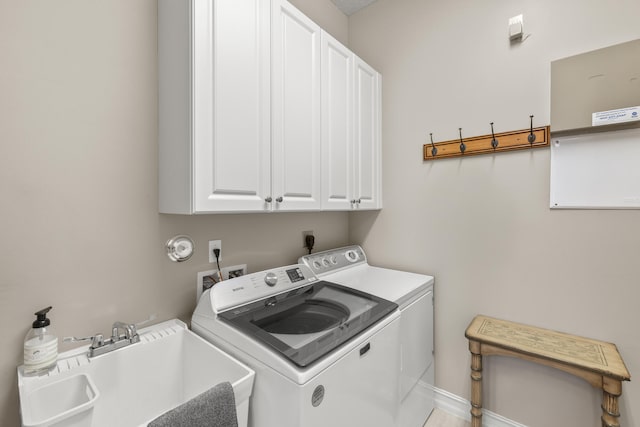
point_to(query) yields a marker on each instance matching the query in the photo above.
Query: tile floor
(440, 418)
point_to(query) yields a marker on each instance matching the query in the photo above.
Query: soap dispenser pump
(40, 346)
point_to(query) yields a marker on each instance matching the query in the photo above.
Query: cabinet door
(296, 109)
(367, 147)
(231, 102)
(337, 125)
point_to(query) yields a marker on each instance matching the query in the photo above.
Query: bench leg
(611, 390)
(476, 384)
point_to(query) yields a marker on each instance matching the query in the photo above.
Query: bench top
(596, 356)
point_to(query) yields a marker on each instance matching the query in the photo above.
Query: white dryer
(413, 293)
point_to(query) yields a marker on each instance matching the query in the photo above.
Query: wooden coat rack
(514, 140)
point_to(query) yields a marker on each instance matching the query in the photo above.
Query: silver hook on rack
(494, 141)
(434, 150)
(462, 146)
(531, 138)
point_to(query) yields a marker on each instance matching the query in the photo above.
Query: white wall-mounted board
(596, 170)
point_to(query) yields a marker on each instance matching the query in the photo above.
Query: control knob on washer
(271, 279)
(352, 256)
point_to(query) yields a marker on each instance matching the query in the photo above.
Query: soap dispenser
(40, 346)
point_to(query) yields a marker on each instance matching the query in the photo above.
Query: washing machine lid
(309, 322)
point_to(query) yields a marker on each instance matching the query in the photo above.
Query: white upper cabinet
(295, 109)
(337, 125)
(214, 106)
(248, 98)
(367, 137)
(350, 130)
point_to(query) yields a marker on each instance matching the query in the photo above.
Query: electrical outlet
(304, 237)
(215, 244)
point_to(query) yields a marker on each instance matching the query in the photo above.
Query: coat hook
(531, 138)
(494, 141)
(462, 146)
(434, 150)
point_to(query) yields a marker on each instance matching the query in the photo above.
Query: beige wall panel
(481, 225)
(78, 179)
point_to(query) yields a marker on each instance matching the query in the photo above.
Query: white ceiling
(351, 6)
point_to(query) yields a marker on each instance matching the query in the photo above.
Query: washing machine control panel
(255, 286)
(334, 259)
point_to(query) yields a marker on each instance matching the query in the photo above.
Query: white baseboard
(456, 405)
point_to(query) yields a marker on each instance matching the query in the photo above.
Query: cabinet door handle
(279, 199)
(268, 199)
(359, 200)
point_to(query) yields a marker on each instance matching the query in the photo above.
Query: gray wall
(78, 179)
(482, 224)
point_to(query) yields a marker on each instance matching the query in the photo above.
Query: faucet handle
(132, 331)
(76, 339)
(96, 341)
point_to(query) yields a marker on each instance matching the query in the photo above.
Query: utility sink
(133, 385)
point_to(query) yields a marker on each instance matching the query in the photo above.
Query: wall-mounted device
(516, 28)
(179, 248)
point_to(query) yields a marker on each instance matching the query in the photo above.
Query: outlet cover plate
(215, 244)
(227, 273)
(200, 280)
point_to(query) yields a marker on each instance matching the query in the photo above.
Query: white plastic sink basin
(133, 385)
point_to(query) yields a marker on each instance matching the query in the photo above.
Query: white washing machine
(413, 293)
(324, 354)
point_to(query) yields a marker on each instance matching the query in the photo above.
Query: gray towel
(215, 407)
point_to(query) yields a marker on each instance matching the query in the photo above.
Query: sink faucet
(101, 346)
(130, 332)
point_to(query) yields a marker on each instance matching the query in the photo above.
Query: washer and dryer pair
(328, 338)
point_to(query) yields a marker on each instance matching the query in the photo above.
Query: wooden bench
(595, 361)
